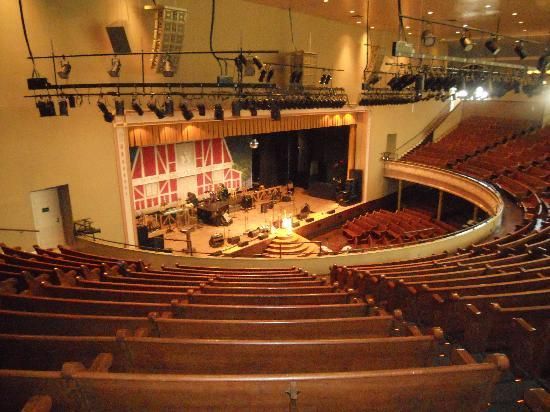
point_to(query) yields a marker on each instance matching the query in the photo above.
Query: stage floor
(242, 222)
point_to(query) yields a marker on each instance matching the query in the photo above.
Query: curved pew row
(466, 385)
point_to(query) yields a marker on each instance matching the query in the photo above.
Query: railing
(3, 229)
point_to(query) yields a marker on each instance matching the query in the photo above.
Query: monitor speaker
(243, 243)
(119, 41)
(234, 240)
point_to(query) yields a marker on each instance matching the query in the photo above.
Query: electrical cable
(34, 71)
(212, 20)
(291, 28)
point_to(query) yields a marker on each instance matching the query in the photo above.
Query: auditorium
(275, 205)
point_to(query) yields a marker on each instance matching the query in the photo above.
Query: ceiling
(531, 22)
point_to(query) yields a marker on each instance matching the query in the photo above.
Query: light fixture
(187, 114)
(119, 106)
(263, 73)
(519, 49)
(107, 115)
(430, 12)
(114, 71)
(201, 107)
(168, 106)
(514, 14)
(492, 45)
(236, 108)
(64, 69)
(488, 6)
(295, 76)
(240, 62)
(45, 107)
(137, 106)
(63, 106)
(428, 39)
(256, 60)
(542, 64)
(218, 112)
(275, 112)
(270, 74)
(254, 144)
(252, 108)
(466, 42)
(152, 105)
(168, 68)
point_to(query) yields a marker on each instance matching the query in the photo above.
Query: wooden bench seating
(466, 386)
(266, 284)
(147, 281)
(198, 311)
(215, 289)
(490, 329)
(140, 265)
(228, 271)
(530, 349)
(196, 297)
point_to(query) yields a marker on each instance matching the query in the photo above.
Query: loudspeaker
(226, 220)
(234, 240)
(143, 236)
(216, 240)
(310, 219)
(243, 243)
(119, 41)
(331, 212)
(295, 224)
(356, 189)
(263, 236)
(246, 202)
(157, 242)
(253, 233)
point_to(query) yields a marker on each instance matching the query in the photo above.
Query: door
(47, 217)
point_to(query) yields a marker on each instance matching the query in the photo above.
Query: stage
(244, 221)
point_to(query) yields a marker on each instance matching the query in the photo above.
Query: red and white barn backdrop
(164, 174)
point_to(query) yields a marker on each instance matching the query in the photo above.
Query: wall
(37, 153)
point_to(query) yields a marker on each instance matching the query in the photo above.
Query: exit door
(48, 218)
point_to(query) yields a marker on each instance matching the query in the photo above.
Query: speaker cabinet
(243, 243)
(234, 240)
(119, 41)
(216, 240)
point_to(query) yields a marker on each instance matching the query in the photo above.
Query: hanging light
(119, 106)
(152, 105)
(252, 108)
(254, 144)
(492, 45)
(114, 71)
(201, 107)
(542, 63)
(519, 49)
(236, 108)
(218, 112)
(256, 60)
(168, 69)
(137, 106)
(168, 106)
(466, 42)
(107, 115)
(275, 112)
(187, 114)
(428, 38)
(64, 68)
(63, 106)
(270, 74)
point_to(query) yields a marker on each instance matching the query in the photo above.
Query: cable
(34, 71)
(212, 19)
(291, 28)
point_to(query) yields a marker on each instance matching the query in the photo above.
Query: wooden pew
(301, 278)
(537, 399)
(144, 281)
(194, 311)
(291, 284)
(241, 270)
(196, 297)
(490, 329)
(530, 349)
(208, 289)
(39, 323)
(140, 265)
(466, 386)
(80, 306)
(80, 282)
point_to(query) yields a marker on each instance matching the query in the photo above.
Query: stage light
(428, 39)
(275, 112)
(542, 64)
(492, 45)
(519, 49)
(240, 62)
(263, 73)
(168, 106)
(295, 76)
(168, 69)
(63, 107)
(187, 114)
(64, 69)
(201, 107)
(236, 108)
(137, 106)
(218, 112)
(114, 71)
(72, 101)
(152, 105)
(270, 74)
(466, 42)
(119, 106)
(254, 144)
(107, 115)
(322, 79)
(257, 62)
(419, 82)
(328, 78)
(252, 108)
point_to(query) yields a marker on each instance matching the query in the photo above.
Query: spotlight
(168, 69)
(240, 62)
(543, 63)
(492, 45)
(152, 105)
(257, 62)
(136, 106)
(466, 42)
(201, 107)
(270, 74)
(65, 69)
(168, 106)
(119, 106)
(187, 114)
(263, 73)
(254, 143)
(328, 78)
(218, 112)
(236, 108)
(419, 82)
(63, 107)
(275, 112)
(252, 108)
(428, 39)
(72, 101)
(323, 79)
(115, 67)
(295, 76)
(107, 115)
(519, 49)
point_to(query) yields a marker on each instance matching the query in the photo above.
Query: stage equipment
(428, 39)
(243, 243)
(310, 219)
(152, 105)
(45, 107)
(270, 74)
(114, 71)
(107, 115)
(137, 106)
(64, 69)
(63, 107)
(168, 38)
(247, 202)
(216, 240)
(253, 233)
(234, 240)
(218, 112)
(214, 213)
(254, 144)
(168, 106)
(492, 45)
(275, 112)
(201, 107)
(187, 114)
(119, 106)
(236, 108)
(331, 212)
(257, 62)
(263, 236)
(264, 207)
(118, 39)
(168, 68)
(519, 49)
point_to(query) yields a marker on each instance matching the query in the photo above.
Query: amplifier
(216, 240)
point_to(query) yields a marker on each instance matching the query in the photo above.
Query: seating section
(82, 333)
(383, 228)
